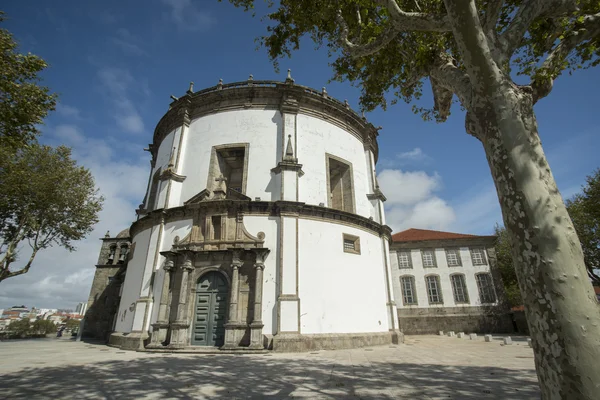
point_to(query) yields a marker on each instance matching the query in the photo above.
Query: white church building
(262, 228)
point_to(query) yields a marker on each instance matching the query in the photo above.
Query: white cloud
(129, 43)
(118, 83)
(62, 279)
(187, 16)
(414, 156)
(68, 111)
(411, 202)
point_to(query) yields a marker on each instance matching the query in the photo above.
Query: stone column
(160, 328)
(234, 329)
(180, 327)
(256, 335)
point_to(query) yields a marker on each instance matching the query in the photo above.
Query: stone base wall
(419, 321)
(129, 341)
(297, 342)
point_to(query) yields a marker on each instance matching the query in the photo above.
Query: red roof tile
(413, 235)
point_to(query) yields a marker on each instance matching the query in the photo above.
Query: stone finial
(363, 115)
(251, 78)
(107, 234)
(324, 92)
(289, 80)
(174, 98)
(289, 151)
(191, 88)
(220, 84)
(346, 104)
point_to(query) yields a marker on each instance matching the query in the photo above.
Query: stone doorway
(210, 310)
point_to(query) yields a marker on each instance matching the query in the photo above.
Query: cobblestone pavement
(425, 367)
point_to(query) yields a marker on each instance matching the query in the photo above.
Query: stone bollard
(441, 333)
(473, 336)
(451, 334)
(460, 335)
(507, 340)
(488, 338)
(529, 343)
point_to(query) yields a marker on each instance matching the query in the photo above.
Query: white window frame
(432, 251)
(412, 289)
(480, 258)
(456, 254)
(486, 289)
(408, 259)
(431, 297)
(457, 291)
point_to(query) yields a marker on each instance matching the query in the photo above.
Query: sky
(114, 65)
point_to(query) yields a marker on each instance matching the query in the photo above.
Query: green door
(211, 309)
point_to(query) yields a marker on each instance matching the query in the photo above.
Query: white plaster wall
(340, 292)
(133, 277)
(259, 128)
(171, 229)
(444, 272)
(162, 160)
(317, 137)
(268, 225)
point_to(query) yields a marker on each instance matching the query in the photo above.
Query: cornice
(285, 97)
(268, 208)
(487, 241)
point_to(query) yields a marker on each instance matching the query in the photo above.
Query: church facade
(262, 228)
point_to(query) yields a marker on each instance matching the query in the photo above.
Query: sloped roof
(414, 235)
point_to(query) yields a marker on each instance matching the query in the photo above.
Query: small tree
(23, 102)
(43, 327)
(20, 328)
(45, 199)
(72, 323)
(471, 50)
(584, 209)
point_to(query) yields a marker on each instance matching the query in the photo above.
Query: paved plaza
(425, 367)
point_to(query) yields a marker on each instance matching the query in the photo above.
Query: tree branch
(415, 21)
(529, 11)
(362, 50)
(23, 270)
(552, 65)
(492, 13)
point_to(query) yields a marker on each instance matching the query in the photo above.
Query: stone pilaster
(161, 327)
(180, 327)
(234, 329)
(256, 335)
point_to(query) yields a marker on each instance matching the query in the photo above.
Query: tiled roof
(414, 235)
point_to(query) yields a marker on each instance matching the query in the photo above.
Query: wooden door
(211, 310)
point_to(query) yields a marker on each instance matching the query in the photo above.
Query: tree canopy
(388, 47)
(24, 103)
(45, 199)
(584, 209)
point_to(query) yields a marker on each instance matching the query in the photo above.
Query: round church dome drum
(262, 226)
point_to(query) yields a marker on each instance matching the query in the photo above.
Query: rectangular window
(340, 189)
(453, 257)
(153, 191)
(351, 244)
(428, 258)
(216, 225)
(478, 256)
(228, 169)
(459, 288)
(486, 288)
(404, 259)
(408, 290)
(434, 289)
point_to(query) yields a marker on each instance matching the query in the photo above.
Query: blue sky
(114, 65)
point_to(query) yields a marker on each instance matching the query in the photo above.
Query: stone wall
(103, 302)
(415, 321)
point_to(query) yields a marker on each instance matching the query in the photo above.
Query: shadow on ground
(265, 377)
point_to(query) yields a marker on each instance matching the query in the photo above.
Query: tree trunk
(562, 311)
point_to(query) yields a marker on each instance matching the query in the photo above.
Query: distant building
(445, 281)
(16, 312)
(81, 308)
